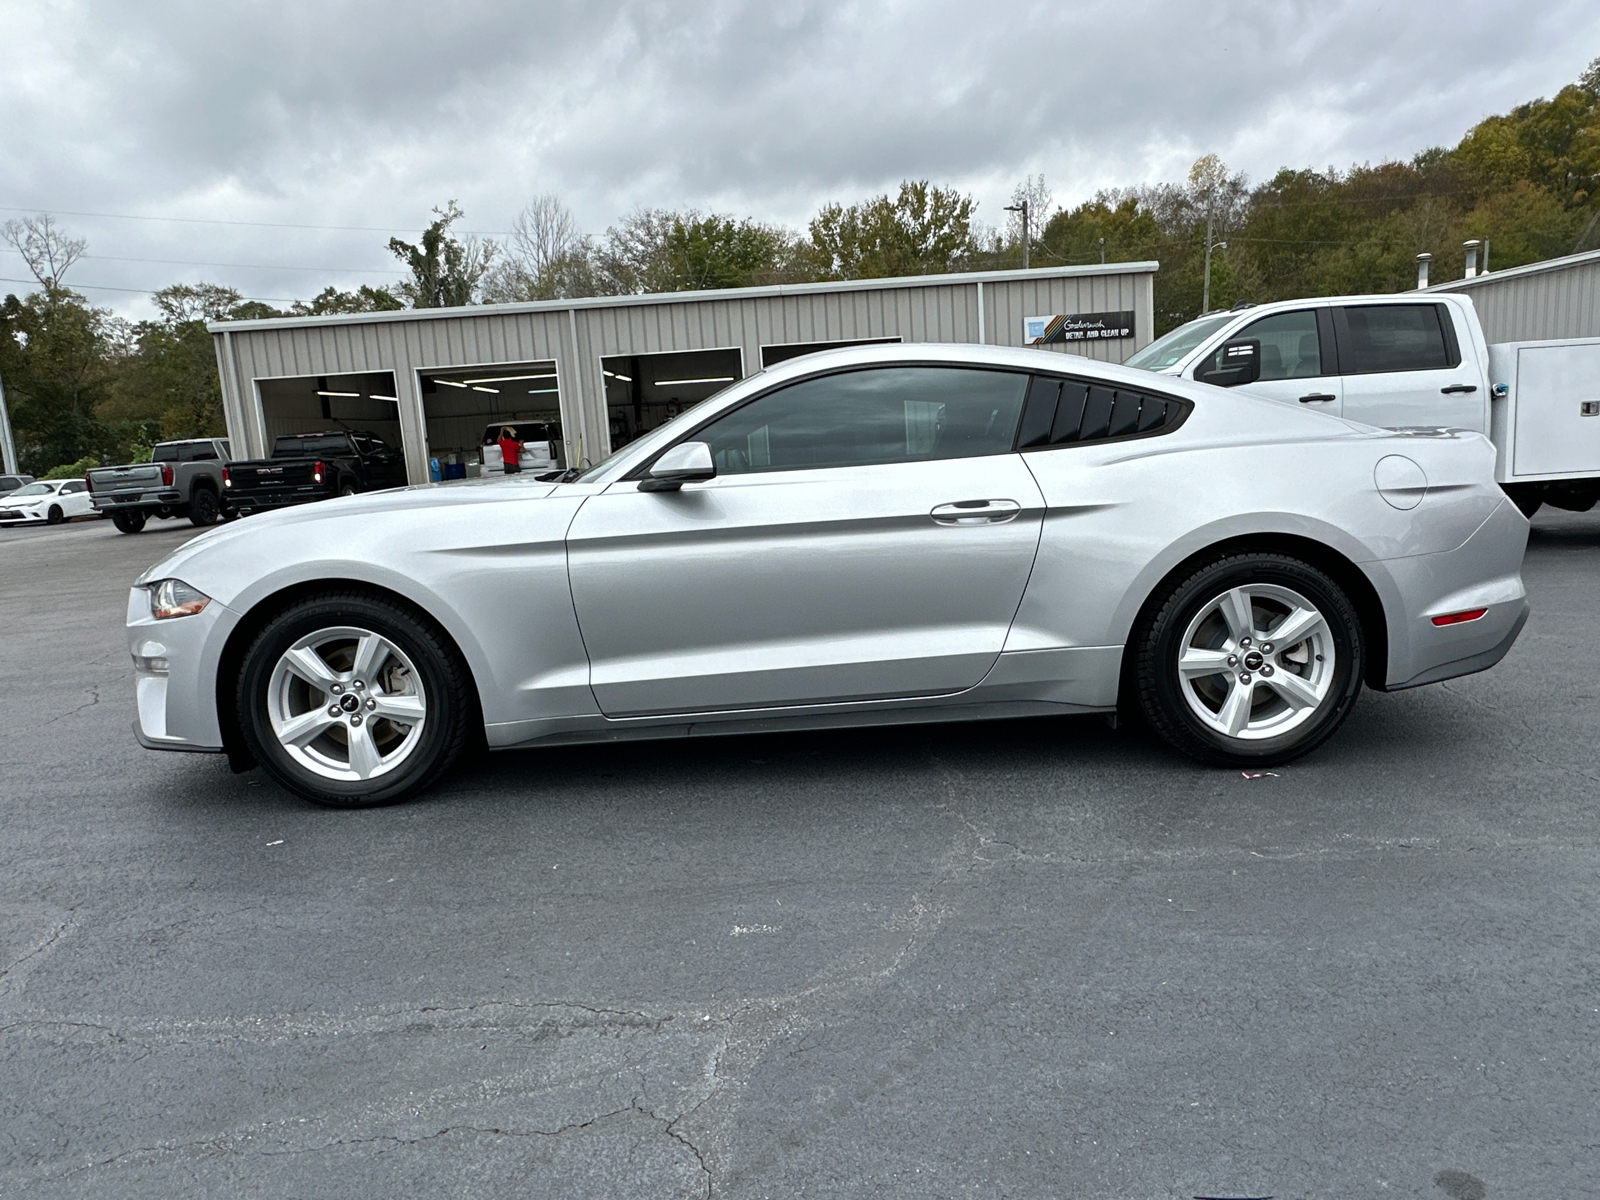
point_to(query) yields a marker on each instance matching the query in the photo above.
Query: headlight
(174, 598)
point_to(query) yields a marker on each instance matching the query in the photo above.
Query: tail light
(316, 472)
(227, 480)
(166, 474)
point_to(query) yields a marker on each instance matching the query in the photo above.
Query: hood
(416, 498)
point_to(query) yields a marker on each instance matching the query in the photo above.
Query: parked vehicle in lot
(541, 446)
(1413, 360)
(10, 483)
(874, 535)
(182, 479)
(312, 466)
(50, 501)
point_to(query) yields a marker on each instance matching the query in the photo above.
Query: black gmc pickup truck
(312, 466)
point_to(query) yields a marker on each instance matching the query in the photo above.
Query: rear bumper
(136, 501)
(1483, 572)
(249, 502)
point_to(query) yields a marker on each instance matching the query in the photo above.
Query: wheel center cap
(1252, 662)
(350, 701)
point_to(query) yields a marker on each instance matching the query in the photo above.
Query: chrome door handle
(976, 512)
(1458, 389)
(1317, 398)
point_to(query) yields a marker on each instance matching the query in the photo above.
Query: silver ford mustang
(865, 536)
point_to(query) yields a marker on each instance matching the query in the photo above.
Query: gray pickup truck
(182, 479)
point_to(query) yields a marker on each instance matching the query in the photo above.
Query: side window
(1394, 337)
(72, 488)
(1290, 347)
(199, 452)
(883, 415)
(1064, 412)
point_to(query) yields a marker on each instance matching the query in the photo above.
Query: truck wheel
(203, 508)
(1252, 660)
(352, 700)
(349, 489)
(128, 522)
(55, 516)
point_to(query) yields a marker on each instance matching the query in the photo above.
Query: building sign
(1076, 327)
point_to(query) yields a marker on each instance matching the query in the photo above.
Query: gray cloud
(349, 114)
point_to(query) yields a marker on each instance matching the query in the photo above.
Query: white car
(50, 500)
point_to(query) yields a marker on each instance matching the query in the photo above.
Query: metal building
(1557, 298)
(606, 369)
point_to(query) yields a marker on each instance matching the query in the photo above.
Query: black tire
(128, 522)
(203, 508)
(1158, 639)
(444, 679)
(55, 516)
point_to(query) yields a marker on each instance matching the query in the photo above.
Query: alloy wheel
(346, 704)
(1256, 662)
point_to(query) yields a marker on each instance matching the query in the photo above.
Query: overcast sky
(344, 114)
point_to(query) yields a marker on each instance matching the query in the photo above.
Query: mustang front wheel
(352, 700)
(1253, 660)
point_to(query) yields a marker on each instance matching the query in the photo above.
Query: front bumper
(177, 701)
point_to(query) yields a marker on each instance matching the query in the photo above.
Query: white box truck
(1407, 361)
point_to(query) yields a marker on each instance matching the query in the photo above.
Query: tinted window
(167, 453)
(1392, 337)
(199, 452)
(1063, 412)
(296, 447)
(894, 414)
(1290, 347)
(73, 488)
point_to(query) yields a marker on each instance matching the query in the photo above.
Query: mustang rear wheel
(352, 700)
(1253, 660)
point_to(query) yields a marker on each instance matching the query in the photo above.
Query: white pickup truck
(1412, 360)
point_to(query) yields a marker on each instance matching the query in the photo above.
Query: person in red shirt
(510, 449)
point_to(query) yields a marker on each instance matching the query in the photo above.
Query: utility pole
(8, 449)
(1205, 291)
(1102, 252)
(1023, 209)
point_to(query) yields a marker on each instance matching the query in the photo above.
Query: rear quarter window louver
(1066, 412)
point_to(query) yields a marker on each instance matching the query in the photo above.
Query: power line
(257, 224)
(186, 262)
(100, 287)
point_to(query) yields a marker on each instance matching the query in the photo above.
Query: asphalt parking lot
(1027, 959)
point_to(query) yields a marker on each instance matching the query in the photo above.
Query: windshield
(34, 489)
(1171, 348)
(590, 474)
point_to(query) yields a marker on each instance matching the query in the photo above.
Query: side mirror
(1235, 363)
(684, 463)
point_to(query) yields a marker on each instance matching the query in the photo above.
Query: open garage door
(771, 356)
(363, 403)
(647, 390)
(464, 409)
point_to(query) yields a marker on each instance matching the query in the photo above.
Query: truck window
(166, 453)
(1393, 337)
(199, 452)
(1290, 347)
(305, 447)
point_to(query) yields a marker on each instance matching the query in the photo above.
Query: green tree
(59, 358)
(332, 300)
(924, 230)
(445, 271)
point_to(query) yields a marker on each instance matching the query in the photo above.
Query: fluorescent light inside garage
(450, 383)
(352, 395)
(476, 388)
(396, 399)
(508, 378)
(709, 379)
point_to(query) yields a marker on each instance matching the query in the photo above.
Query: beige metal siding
(576, 337)
(1557, 302)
